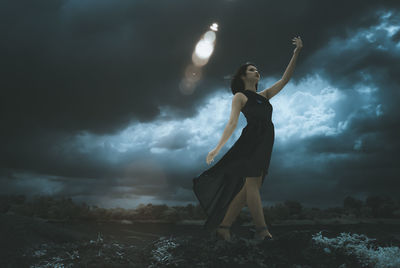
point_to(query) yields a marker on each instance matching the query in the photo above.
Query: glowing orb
(214, 27)
(210, 36)
(204, 49)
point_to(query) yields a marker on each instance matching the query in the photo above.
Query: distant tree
(311, 213)
(294, 207)
(278, 212)
(352, 203)
(381, 206)
(117, 213)
(144, 212)
(158, 211)
(374, 202)
(333, 212)
(366, 212)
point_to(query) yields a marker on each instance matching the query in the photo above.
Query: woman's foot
(262, 233)
(223, 232)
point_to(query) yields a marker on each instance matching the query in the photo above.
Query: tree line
(48, 207)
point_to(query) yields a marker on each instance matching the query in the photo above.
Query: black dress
(250, 156)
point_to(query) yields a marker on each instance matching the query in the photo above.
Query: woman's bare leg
(235, 207)
(233, 211)
(254, 202)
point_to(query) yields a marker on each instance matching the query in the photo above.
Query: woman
(235, 180)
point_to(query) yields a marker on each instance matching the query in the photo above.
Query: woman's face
(252, 73)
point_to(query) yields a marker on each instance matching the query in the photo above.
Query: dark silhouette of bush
(159, 211)
(294, 207)
(381, 206)
(143, 212)
(366, 212)
(312, 213)
(277, 212)
(6, 201)
(352, 203)
(352, 206)
(65, 209)
(374, 202)
(335, 212)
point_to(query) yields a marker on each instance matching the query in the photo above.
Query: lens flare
(210, 36)
(204, 49)
(214, 27)
(200, 56)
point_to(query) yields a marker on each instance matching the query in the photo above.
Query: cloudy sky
(92, 105)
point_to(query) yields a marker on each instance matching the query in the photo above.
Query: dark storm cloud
(71, 66)
(96, 65)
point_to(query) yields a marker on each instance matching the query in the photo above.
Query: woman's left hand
(299, 44)
(211, 155)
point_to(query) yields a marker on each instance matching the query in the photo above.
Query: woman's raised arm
(275, 88)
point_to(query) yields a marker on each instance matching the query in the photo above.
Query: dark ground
(30, 242)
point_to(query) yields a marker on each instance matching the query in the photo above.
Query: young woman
(235, 180)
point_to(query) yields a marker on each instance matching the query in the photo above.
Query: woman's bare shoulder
(242, 97)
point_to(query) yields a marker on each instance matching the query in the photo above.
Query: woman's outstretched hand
(299, 44)
(211, 155)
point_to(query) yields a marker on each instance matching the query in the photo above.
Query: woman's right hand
(211, 155)
(299, 44)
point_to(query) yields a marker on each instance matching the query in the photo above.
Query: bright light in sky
(204, 49)
(338, 112)
(214, 27)
(200, 56)
(210, 36)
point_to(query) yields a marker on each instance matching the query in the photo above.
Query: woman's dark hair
(237, 83)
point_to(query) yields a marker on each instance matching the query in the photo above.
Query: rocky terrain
(35, 242)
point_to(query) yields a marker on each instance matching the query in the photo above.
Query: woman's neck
(250, 86)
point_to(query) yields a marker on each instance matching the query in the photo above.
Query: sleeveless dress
(249, 156)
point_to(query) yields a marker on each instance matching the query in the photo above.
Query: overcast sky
(92, 108)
